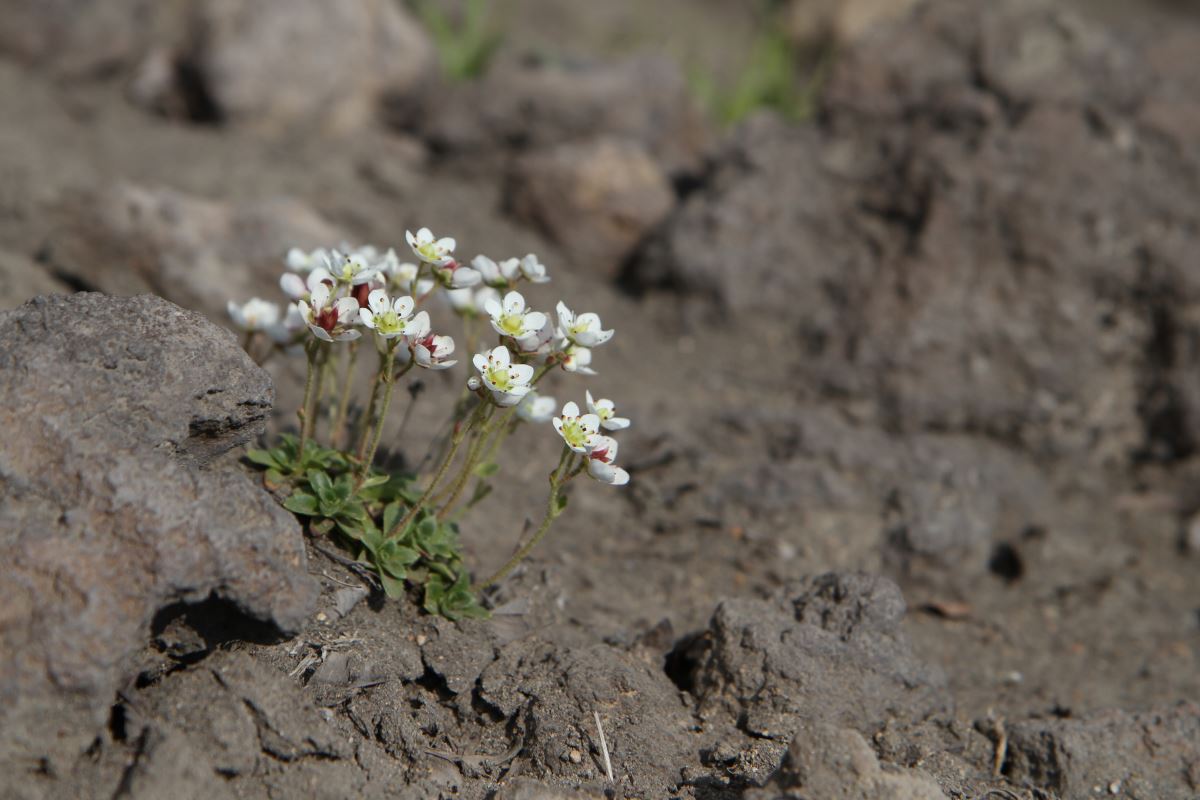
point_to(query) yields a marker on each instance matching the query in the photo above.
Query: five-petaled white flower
(606, 411)
(388, 318)
(579, 432)
(330, 318)
(432, 351)
(536, 407)
(577, 359)
(254, 314)
(601, 464)
(498, 275)
(298, 260)
(507, 382)
(584, 329)
(438, 252)
(534, 270)
(352, 269)
(298, 288)
(509, 317)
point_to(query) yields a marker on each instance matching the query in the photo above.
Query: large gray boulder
(115, 503)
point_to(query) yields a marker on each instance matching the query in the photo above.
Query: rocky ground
(915, 382)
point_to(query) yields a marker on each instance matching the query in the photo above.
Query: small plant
(465, 47)
(404, 528)
(770, 79)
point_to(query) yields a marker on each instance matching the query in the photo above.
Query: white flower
(537, 344)
(284, 331)
(509, 318)
(579, 432)
(298, 288)
(605, 410)
(507, 382)
(600, 462)
(404, 278)
(438, 252)
(330, 319)
(535, 407)
(583, 330)
(533, 270)
(351, 269)
(498, 275)
(470, 302)
(577, 359)
(432, 351)
(254, 314)
(388, 318)
(299, 261)
(455, 276)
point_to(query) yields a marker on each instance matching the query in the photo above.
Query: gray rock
(114, 412)
(200, 253)
(643, 99)
(1152, 754)
(528, 789)
(598, 200)
(270, 64)
(828, 648)
(837, 764)
(274, 63)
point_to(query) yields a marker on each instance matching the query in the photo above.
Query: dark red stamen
(326, 318)
(360, 293)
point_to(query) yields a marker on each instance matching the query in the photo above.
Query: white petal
(418, 326)
(403, 306)
(501, 355)
(570, 409)
(535, 321)
(514, 303)
(616, 423)
(565, 317)
(493, 308)
(347, 308)
(620, 477)
(480, 361)
(521, 373)
(590, 422)
(447, 244)
(293, 285)
(320, 333)
(378, 301)
(366, 317)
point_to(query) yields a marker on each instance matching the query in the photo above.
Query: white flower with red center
(536, 407)
(298, 260)
(387, 317)
(498, 275)
(508, 382)
(579, 431)
(510, 318)
(297, 287)
(533, 270)
(254, 315)
(432, 351)
(577, 359)
(601, 464)
(329, 318)
(606, 411)
(584, 329)
(429, 249)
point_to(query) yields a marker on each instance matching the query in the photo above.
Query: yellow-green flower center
(574, 433)
(389, 322)
(512, 324)
(499, 378)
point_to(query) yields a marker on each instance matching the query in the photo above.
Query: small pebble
(1114, 787)
(421, 639)
(575, 756)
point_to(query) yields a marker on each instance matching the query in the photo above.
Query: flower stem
(368, 418)
(343, 406)
(388, 378)
(459, 435)
(464, 474)
(304, 414)
(553, 509)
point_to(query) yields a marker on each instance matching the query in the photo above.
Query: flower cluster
(341, 298)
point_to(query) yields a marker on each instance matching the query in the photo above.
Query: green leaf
(392, 513)
(274, 479)
(487, 470)
(350, 528)
(435, 590)
(560, 503)
(321, 483)
(301, 503)
(392, 587)
(375, 480)
(264, 458)
(321, 526)
(482, 490)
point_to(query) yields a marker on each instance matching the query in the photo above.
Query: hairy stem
(553, 509)
(389, 379)
(343, 406)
